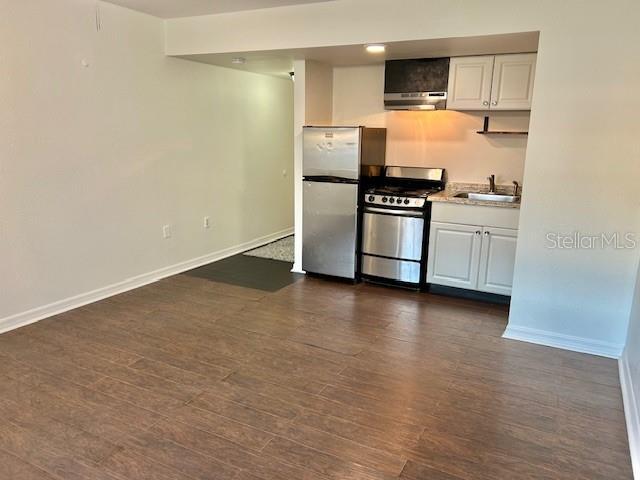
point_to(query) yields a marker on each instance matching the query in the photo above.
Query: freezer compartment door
(329, 228)
(331, 152)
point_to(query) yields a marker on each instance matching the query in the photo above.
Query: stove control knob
(371, 198)
(406, 201)
(384, 199)
(392, 200)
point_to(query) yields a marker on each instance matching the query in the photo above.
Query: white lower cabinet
(474, 257)
(497, 259)
(454, 255)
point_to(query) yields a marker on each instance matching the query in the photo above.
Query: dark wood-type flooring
(193, 379)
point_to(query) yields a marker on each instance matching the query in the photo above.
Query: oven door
(393, 233)
(392, 244)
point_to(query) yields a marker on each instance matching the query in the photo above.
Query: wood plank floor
(199, 380)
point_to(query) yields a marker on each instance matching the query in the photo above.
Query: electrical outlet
(206, 223)
(166, 231)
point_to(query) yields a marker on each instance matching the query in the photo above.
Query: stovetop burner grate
(403, 191)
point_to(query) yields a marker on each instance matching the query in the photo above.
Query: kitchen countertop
(448, 195)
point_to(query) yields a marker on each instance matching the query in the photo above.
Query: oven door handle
(395, 213)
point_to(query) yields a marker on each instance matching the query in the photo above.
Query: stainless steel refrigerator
(335, 161)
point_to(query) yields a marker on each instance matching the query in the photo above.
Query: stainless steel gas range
(395, 226)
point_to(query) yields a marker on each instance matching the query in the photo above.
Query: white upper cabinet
(470, 83)
(512, 86)
(491, 82)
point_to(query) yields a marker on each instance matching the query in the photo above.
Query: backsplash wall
(442, 138)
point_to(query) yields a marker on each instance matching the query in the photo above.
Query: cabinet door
(470, 83)
(497, 259)
(513, 77)
(454, 255)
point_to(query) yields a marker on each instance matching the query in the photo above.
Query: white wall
(444, 139)
(581, 169)
(93, 161)
(630, 380)
(313, 95)
(318, 93)
(299, 120)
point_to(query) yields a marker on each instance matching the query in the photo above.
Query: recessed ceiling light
(376, 48)
(239, 61)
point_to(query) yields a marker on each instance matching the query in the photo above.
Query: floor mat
(250, 272)
(281, 250)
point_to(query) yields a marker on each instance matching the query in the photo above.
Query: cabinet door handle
(495, 102)
(478, 232)
(485, 103)
(487, 233)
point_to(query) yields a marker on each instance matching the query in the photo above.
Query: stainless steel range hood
(419, 84)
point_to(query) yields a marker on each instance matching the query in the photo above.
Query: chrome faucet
(492, 183)
(515, 188)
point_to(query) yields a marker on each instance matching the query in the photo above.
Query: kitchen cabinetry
(475, 256)
(512, 84)
(497, 259)
(454, 255)
(469, 85)
(491, 82)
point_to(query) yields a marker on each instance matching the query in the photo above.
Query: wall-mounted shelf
(485, 130)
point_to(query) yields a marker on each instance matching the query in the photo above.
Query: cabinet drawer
(400, 270)
(500, 217)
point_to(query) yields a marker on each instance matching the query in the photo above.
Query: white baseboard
(297, 268)
(631, 414)
(39, 313)
(566, 342)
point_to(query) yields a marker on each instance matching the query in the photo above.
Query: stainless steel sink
(489, 197)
